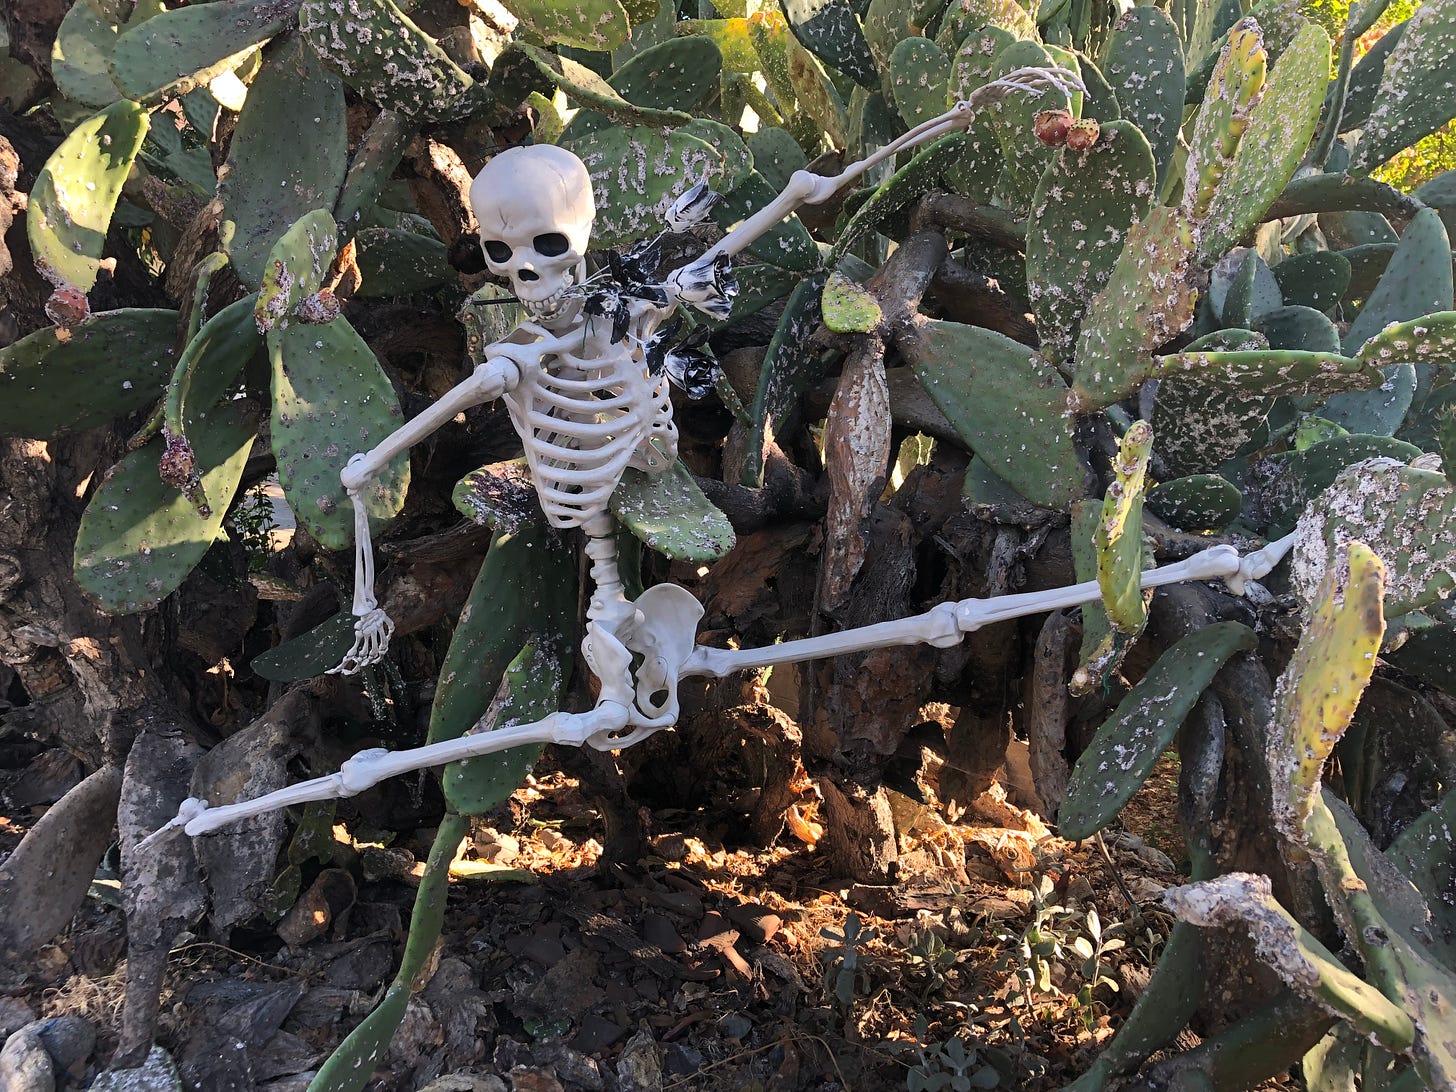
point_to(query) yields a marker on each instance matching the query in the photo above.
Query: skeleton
(587, 406)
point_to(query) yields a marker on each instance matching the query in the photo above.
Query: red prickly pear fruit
(67, 306)
(1051, 126)
(1082, 135)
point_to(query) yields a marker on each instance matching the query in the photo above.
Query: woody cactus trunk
(1092, 332)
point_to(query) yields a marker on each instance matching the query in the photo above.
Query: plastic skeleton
(587, 404)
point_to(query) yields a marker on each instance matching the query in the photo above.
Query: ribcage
(583, 422)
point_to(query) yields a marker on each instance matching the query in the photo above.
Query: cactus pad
(586, 24)
(916, 83)
(1197, 503)
(382, 54)
(288, 155)
(331, 400)
(1316, 280)
(309, 654)
(297, 266)
(172, 53)
(109, 364)
(671, 515)
(1118, 539)
(1122, 754)
(637, 173)
(76, 191)
(1407, 516)
(139, 536)
(1008, 405)
(1080, 216)
(81, 57)
(397, 263)
(1414, 99)
(1144, 62)
(1147, 300)
(830, 30)
(1271, 149)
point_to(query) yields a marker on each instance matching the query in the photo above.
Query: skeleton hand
(372, 632)
(1024, 81)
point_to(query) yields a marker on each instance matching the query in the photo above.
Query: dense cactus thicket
(1091, 333)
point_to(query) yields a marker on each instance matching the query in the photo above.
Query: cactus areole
(585, 380)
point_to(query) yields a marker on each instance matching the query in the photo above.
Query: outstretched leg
(372, 626)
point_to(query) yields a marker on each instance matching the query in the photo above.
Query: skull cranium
(535, 210)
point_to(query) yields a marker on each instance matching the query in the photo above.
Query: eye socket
(551, 244)
(496, 250)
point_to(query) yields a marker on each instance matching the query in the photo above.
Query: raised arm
(693, 282)
(372, 626)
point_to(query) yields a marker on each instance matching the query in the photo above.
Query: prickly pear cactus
(75, 194)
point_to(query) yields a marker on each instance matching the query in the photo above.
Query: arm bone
(813, 189)
(372, 626)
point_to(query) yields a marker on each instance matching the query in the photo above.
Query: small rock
(571, 1065)
(596, 1034)
(1145, 889)
(466, 1082)
(659, 932)
(525, 1079)
(1127, 840)
(384, 862)
(1156, 859)
(671, 847)
(69, 1040)
(682, 1059)
(331, 895)
(735, 1026)
(24, 1064)
(14, 1015)
(156, 1074)
(497, 848)
(639, 1066)
(1079, 889)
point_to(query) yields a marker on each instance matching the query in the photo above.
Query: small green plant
(952, 1065)
(252, 519)
(1093, 948)
(844, 971)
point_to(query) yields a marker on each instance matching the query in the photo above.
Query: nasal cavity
(527, 275)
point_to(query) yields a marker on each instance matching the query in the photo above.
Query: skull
(535, 209)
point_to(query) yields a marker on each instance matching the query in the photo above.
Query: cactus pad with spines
(1301, 328)
(140, 537)
(637, 173)
(1414, 99)
(1319, 690)
(1144, 62)
(670, 514)
(288, 156)
(963, 17)
(1081, 213)
(107, 365)
(211, 363)
(524, 594)
(387, 58)
(789, 366)
(586, 24)
(172, 53)
(1299, 477)
(1279, 130)
(81, 57)
(330, 400)
(1236, 85)
(309, 654)
(1407, 516)
(1316, 280)
(1008, 405)
(830, 30)
(916, 79)
(1430, 339)
(297, 266)
(776, 154)
(1119, 536)
(1197, 503)
(1122, 754)
(1023, 157)
(75, 194)
(1147, 300)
